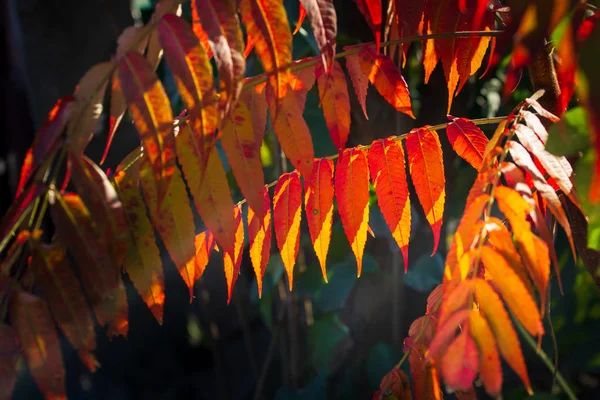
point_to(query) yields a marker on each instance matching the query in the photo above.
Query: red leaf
(410, 13)
(490, 369)
(256, 102)
(388, 174)
(31, 320)
(372, 11)
(323, 21)
(318, 200)
(287, 210)
(200, 32)
(359, 78)
(427, 173)
(232, 258)
(467, 140)
(259, 233)
(267, 25)
(301, 16)
(386, 78)
(352, 193)
(150, 110)
(333, 92)
(461, 362)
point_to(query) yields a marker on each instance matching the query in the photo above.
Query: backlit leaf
(352, 193)
(333, 92)
(360, 80)
(386, 78)
(301, 16)
(243, 153)
(287, 209)
(446, 333)
(493, 310)
(116, 112)
(292, 132)
(204, 243)
(323, 21)
(199, 30)
(513, 291)
(151, 113)
(142, 262)
(318, 201)
(388, 174)
(61, 290)
(232, 258)
(267, 25)
(427, 174)
(210, 192)
(31, 320)
(259, 235)
(99, 274)
(256, 101)
(467, 140)
(490, 369)
(372, 11)
(460, 364)
(220, 21)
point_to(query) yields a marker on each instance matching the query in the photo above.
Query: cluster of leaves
(107, 224)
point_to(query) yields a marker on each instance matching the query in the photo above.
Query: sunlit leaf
(232, 258)
(323, 21)
(259, 236)
(460, 364)
(490, 369)
(360, 79)
(333, 92)
(372, 11)
(467, 140)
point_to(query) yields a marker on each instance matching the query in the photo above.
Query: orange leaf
(287, 208)
(467, 140)
(386, 78)
(372, 11)
(220, 21)
(143, 262)
(318, 200)
(423, 384)
(396, 383)
(256, 101)
(460, 364)
(301, 16)
(9, 358)
(513, 291)
(359, 78)
(210, 190)
(352, 193)
(61, 289)
(259, 233)
(267, 25)
(151, 113)
(204, 243)
(31, 320)
(514, 207)
(323, 21)
(116, 112)
(99, 274)
(427, 173)
(333, 92)
(446, 333)
(455, 299)
(292, 132)
(191, 68)
(232, 258)
(200, 32)
(490, 369)
(492, 309)
(388, 174)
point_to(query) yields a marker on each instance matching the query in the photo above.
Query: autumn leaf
(287, 210)
(490, 369)
(372, 11)
(455, 298)
(255, 100)
(323, 20)
(220, 22)
(421, 373)
(99, 274)
(388, 174)
(352, 193)
(210, 192)
(33, 324)
(243, 153)
(116, 112)
(301, 81)
(318, 202)
(386, 78)
(9, 359)
(61, 289)
(411, 13)
(45, 139)
(267, 26)
(259, 236)
(359, 78)
(333, 93)
(232, 258)
(301, 17)
(199, 31)
(493, 310)
(513, 291)
(191, 68)
(292, 132)
(467, 140)
(446, 333)
(143, 262)
(204, 243)
(150, 110)
(460, 364)
(427, 174)
(396, 384)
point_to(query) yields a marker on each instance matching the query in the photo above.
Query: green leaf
(571, 135)
(328, 341)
